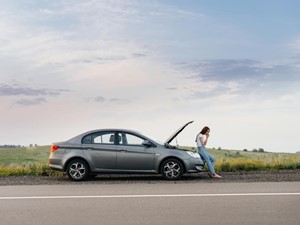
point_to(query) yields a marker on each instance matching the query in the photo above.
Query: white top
(198, 139)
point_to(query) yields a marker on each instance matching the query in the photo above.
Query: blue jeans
(208, 158)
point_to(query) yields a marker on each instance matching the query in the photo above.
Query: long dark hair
(204, 130)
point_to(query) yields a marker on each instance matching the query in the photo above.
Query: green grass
(24, 156)
(25, 161)
(234, 160)
(34, 160)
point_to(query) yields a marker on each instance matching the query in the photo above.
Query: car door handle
(123, 150)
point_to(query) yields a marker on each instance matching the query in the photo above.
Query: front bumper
(194, 165)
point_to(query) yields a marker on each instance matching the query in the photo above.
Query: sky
(70, 66)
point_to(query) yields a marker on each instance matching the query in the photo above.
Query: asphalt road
(155, 203)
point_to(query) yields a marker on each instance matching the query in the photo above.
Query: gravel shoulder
(240, 176)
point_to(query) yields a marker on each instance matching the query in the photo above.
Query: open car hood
(171, 138)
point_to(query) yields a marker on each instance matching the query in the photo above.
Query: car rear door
(132, 155)
(100, 149)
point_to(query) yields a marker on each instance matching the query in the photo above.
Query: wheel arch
(171, 157)
(76, 157)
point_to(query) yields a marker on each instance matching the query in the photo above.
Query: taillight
(54, 148)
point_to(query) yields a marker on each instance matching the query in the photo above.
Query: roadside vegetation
(25, 161)
(34, 160)
(234, 160)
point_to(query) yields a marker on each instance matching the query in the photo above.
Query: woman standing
(201, 140)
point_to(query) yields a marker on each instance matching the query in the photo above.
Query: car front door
(132, 155)
(101, 150)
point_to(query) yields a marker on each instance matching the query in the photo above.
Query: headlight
(193, 154)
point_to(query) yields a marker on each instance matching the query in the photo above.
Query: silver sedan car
(122, 151)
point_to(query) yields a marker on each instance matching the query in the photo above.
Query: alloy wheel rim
(77, 170)
(172, 170)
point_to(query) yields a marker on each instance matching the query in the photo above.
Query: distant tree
(219, 148)
(261, 150)
(245, 150)
(254, 150)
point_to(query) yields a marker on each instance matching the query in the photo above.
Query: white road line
(149, 196)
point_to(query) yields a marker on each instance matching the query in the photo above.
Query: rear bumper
(56, 167)
(55, 164)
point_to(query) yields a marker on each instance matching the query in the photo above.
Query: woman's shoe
(216, 176)
(210, 175)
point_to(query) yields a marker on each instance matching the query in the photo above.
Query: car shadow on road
(133, 178)
(146, 178)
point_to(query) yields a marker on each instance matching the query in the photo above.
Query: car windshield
(152, 138)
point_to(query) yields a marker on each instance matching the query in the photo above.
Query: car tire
(78, 170)
(172, 169)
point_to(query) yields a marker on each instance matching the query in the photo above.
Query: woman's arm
(202, 141)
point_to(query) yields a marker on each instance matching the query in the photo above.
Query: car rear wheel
(78, 170)
(172, 169)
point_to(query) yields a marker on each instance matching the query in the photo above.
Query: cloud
(110, 101)
(29, 102)
(195, 90)
(295, 44)
(227, 70)
(89, 31)
(119, 101)
(60, 33)
(99, 99)
(232, 78)
(245, 70)
(7, 90)
(137, 55)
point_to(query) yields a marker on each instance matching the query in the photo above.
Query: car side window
(100, 138)
(130, 139)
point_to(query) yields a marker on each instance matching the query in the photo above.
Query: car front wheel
(172, 169)
(78, 170)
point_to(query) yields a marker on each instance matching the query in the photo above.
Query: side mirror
(147, 143)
